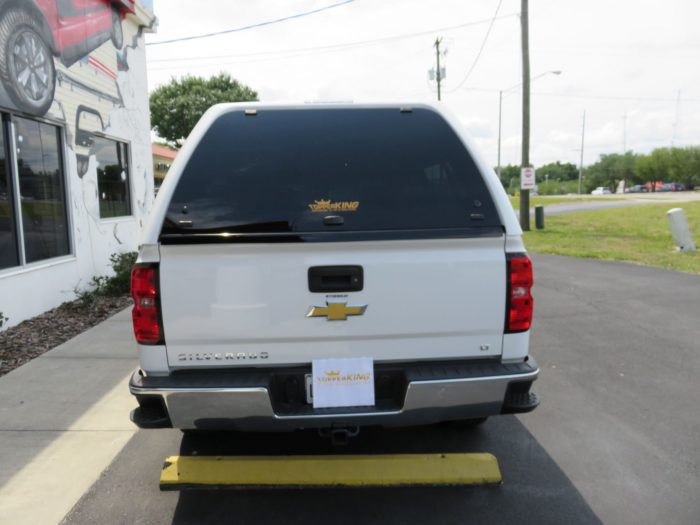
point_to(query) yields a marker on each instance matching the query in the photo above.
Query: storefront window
(9, 255)
(112, 177)
(41, 185)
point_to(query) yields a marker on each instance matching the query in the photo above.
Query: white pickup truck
(288, 235)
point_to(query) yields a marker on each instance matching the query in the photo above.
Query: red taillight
(146, 312)
(519, 309)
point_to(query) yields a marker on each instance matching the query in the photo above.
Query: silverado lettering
(220, 357)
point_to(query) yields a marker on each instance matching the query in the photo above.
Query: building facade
(163, 158)
(76, 179)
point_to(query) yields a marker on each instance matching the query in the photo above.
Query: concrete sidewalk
(63, 418)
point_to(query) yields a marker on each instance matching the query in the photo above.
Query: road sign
(527, 179)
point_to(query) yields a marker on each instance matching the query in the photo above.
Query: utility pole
(500, 104)
(580, 166)
(624, 133)
(525, 163)
(438, 74)
(675, 120)
(500, 111)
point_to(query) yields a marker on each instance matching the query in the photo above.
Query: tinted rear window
(323, 170)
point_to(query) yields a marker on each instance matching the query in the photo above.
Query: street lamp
(500, 105)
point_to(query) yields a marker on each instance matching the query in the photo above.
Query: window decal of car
(325, 205)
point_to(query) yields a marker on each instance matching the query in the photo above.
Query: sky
(632, 66)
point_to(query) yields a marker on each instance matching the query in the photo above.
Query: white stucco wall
(30, 290)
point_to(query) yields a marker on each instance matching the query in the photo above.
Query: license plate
(341, 382)
(309, 380)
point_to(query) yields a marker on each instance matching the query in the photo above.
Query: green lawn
(638, 234)
(555, 199)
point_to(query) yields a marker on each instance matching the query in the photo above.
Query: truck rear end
(289, 237)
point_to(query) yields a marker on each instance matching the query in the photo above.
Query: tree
(557, 171)
(670, 165)
(510, 177)
(610, 169)
(685, 165)
(177, 106)
(655, 167)
(693, 179)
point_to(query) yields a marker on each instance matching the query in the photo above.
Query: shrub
(120, 282)
(3, 319)
(110, 286)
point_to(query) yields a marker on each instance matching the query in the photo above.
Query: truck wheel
(117, 32)
(468, 423)
(26, 64)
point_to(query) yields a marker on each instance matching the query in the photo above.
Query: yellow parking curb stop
(388, 470)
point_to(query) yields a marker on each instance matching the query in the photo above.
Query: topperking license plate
(341, 382)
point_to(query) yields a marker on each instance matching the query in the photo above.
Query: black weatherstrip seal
(334, 236)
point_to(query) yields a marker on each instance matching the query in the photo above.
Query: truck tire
(26, 64)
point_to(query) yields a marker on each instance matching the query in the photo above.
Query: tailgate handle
(336, 279)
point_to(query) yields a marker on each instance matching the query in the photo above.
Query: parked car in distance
(600, 190)
(657, 186)
(637, 188)
(673, 186)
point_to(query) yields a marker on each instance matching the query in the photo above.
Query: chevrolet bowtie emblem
(336, 311)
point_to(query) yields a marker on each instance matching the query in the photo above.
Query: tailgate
(247, 304)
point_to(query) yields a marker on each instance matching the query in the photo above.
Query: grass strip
(637, 234)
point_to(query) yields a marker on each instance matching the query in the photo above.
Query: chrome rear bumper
(433, 393)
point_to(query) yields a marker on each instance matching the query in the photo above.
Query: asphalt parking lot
(616, 439)
(534, 489)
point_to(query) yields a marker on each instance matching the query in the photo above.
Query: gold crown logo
(325, 205)
(332, 373)
(320, 205)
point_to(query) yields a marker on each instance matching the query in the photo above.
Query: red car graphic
(32, 32)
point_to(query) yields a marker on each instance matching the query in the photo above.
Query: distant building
(162, 159)
(76, 175)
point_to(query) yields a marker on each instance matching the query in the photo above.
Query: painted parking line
(381, 470)
(45, 489)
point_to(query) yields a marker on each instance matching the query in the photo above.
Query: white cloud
(478, 127)
(602, 50)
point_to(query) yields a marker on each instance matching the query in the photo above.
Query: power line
(331, 47)
(481, 49)
(617, 97)
(598, 97)
(251, 26)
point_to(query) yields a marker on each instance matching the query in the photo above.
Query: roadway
(616, 439)
(673, 199)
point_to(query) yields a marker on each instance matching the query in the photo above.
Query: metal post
(539, 217)
(525, 194)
